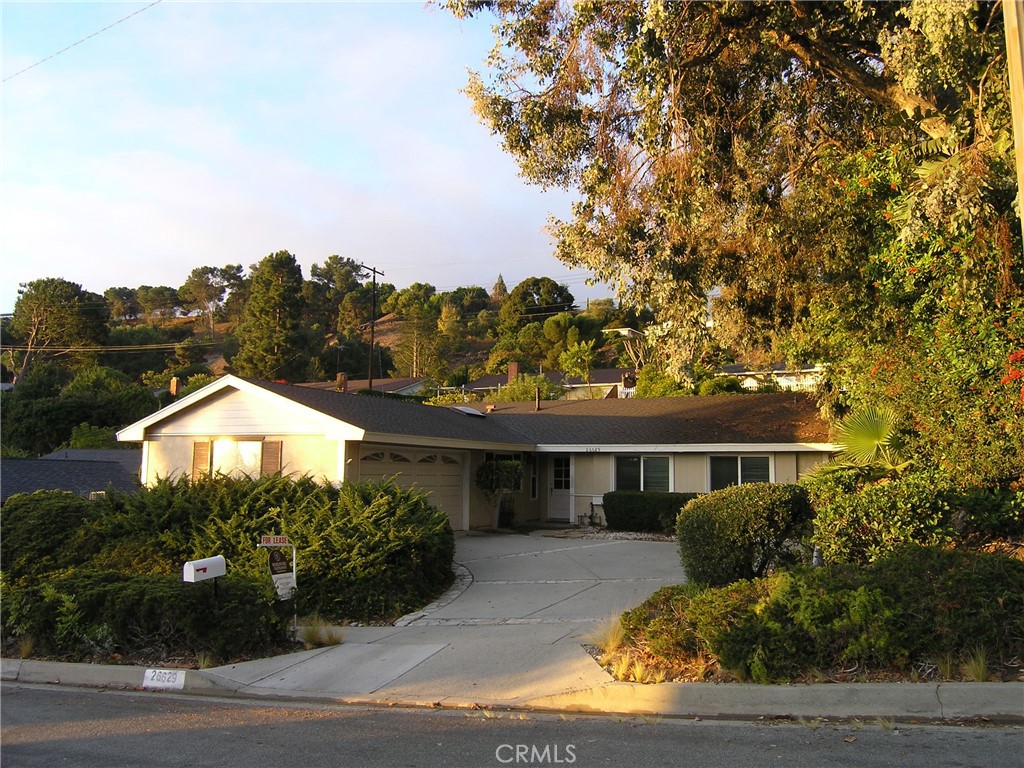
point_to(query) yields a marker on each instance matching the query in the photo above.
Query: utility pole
(373, 317)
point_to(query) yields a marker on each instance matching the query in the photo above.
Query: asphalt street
(60, 726)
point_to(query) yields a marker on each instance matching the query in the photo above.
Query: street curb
(995, 702)
(1002, 702)
(102, 676)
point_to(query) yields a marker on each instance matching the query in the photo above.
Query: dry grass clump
(317, 632)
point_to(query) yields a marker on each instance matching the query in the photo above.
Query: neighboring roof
(81, 477)
(129, 458)
(598, 377)
(379, 385)
(777, 418)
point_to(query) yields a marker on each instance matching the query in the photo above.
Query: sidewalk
(508, 636)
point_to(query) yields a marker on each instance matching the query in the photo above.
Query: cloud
(219, 133)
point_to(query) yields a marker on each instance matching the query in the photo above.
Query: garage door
(437, 472)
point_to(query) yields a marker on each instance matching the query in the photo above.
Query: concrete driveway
(510, 630)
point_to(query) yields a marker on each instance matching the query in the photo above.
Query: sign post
(284, 578)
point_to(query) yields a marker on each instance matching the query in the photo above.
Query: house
(573, 451)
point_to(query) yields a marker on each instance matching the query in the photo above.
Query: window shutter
(271, 461)
(200, 460)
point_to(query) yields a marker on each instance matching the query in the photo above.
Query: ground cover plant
(918, 613)
(103, 579)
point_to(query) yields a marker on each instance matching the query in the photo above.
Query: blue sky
(213, 133)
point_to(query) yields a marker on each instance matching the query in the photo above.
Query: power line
(125, 348)
(79, 42)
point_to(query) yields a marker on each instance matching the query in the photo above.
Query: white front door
(559, 488)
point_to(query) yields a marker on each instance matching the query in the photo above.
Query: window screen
(642, 473)
(724, 472)
(733, 470)
(754, 469)
(655, 476)
(627, 473)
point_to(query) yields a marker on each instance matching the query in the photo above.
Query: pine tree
(271, 342)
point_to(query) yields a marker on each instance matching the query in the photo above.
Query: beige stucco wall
(805, 462)
(315, 456)
(166, 457)
(785, 468)
(691, 473)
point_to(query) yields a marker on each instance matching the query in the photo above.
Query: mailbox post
(206, 568)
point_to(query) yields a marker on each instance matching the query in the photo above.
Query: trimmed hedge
(742, 531)
(366, 552)
(43, 532)
(88, 612)
(920, 604)
(644, 511)
(861, 524)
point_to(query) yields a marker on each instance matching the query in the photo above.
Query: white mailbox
(207, 568)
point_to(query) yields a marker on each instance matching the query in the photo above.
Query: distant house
(81, 476)
(799, 378)
(573, 451)
(342, 383)
(604, 383)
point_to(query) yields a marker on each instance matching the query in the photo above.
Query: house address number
(593, 450)
(172, 679)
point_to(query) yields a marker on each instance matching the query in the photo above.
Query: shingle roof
(394, 417)
(768, 418)
(129, 458)
(81, 477)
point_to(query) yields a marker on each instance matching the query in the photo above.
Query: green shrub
(86, 612)
(742, 531)
(644, 511)
(77, 572)
(379, 552)
(859, 524)
(365, 551)
(919, 604)
(43, 531)
(688, 620)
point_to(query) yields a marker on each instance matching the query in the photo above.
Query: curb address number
(164, 678)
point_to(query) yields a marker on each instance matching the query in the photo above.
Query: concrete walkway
(508, 635)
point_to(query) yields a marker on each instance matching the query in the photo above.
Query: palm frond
(866, 434)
